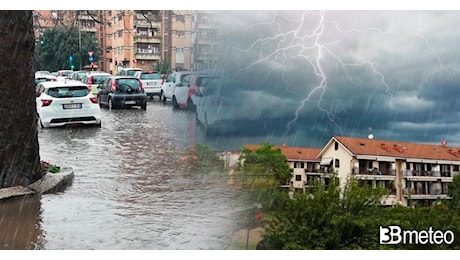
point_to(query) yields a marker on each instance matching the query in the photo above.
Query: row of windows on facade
(368, 164)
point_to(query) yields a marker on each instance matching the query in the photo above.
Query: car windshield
(66, 92)
(128, 85)
(66, 73)
(99, 79)
(43, 72)
(80, 75)
(131, 72)
(150, 76)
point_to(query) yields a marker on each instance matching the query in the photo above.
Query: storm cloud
(309, 75)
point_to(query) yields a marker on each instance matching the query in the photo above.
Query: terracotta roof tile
(293, 153)
(363, 146)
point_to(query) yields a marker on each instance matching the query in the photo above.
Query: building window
(298, 177)
(180, 18)
(336, 146)
(298, 165)
(180, 34)
(120, 33)
(337, 163)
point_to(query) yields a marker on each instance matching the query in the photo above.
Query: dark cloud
(307, 75)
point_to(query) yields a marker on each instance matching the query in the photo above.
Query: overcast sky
(309, 75)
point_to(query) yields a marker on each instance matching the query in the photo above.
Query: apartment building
(303, 163)
(177, 40)
(413, 173)
(205, 46)
(136, 38)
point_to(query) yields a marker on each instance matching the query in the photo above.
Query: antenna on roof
(370, 136)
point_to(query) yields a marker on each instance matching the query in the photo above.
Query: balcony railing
(147, 23)
(147, 39)
(407, 191)
(422, 173)
(364, 171)
(147, 56)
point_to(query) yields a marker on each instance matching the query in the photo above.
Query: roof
(62, 83)
(293, 153)
(363, 146)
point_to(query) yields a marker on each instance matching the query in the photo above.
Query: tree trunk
(19, 149)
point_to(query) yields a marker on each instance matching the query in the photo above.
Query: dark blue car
(122, 92)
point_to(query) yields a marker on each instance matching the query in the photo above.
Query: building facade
(136, 38)
(413, 173)
(177, 44)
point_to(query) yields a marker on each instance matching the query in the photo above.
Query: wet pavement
(131, 190)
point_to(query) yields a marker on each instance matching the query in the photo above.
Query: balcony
(427, 175)
(88, 28)
(370, 174)
(425, 194)
(147, 56)
(147, 23)
(147, 39)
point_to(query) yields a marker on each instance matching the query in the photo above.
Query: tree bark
(19, 148)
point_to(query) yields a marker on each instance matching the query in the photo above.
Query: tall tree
(19, 149)
(59, 43)
(453, 190)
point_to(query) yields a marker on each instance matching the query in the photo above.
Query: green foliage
(203, 159)
(162, 67)
(329, 219)
(266, 164)
(325, 219)
(57, 44)
(453, 190)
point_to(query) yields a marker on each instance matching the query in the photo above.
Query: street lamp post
(79, 40)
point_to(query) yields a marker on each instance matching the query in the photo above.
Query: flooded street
(132, 188)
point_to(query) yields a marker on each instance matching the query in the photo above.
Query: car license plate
(151, 83)
(72, 106)
(130, 102)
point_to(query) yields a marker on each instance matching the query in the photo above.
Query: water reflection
(20, 223)
(132, 190)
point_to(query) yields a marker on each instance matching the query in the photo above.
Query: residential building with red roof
(303, 162)
(414, 173)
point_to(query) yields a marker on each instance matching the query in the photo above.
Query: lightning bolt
(419, 33)
(293, 44)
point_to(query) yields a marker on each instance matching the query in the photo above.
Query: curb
(49, 183)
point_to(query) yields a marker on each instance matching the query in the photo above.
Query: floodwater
(132, 189)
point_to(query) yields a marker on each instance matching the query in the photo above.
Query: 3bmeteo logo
(393, 235)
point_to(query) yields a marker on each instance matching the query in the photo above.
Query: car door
(39, 90)
(181, 89)
(104, 90)
(168, 85)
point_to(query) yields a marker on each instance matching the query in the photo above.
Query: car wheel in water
(110, 104)
(174, 102)
(190, 105)
(99, 101)
(144, 106)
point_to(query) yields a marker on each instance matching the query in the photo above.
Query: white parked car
(67, 102)
(151, 81)
(214, 111)
(172, 80)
